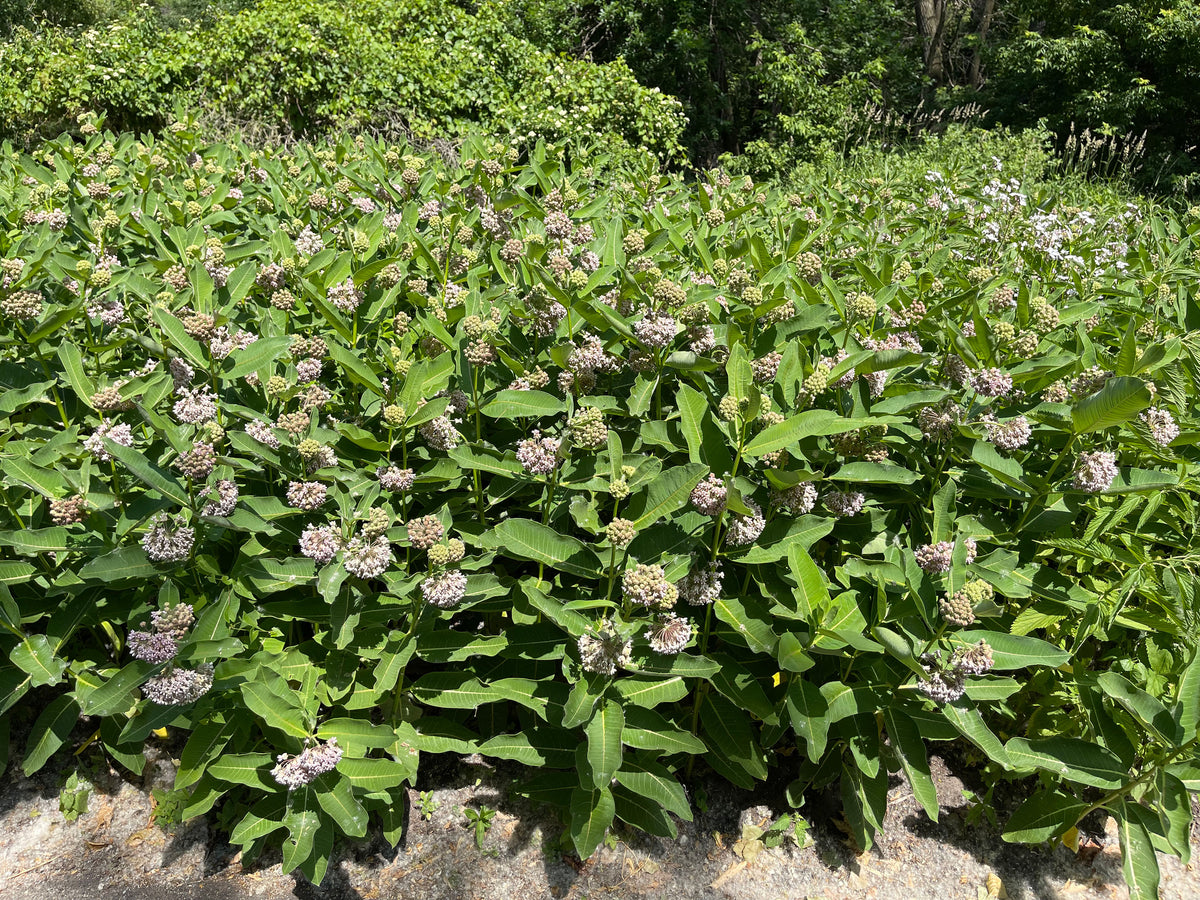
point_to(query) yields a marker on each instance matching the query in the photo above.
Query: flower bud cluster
(648, 586)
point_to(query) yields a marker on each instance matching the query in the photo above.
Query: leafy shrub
(320, 65)
(337, 457)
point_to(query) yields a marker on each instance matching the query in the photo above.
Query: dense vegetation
(328, 451)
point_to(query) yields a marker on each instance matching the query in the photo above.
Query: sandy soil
(116, 851)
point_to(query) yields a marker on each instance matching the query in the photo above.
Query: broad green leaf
(649, 692)
(656, 782)
(754, 629)
(355, 368)
(909, 748)
(810, 423)
(1047, 814)
(116, 694)
(35, 657)
(72, 361)
(357, 736)
(646, 729)
(1188, 710)
(527, 539)
(1174, 809)
(791, 654)
(204, 743)
(729, 733)
(642, 812)
(1013, 651)
(274, 710)
(380, 774)
(812, 593)
(250, 769)
(49, 732)
(149, 474)
(336, 797)
(1141, 705)
(1069, 759)
(300, 844)
(121, 564)
(173, 329)
(592, 812)
(862, 472)
(1117, 402)
(533, 747)
(1139, 863)
(969, 723)
(604, 742)
(741, 686)
(864, 801)
(452, 690)
(808, 711)
(666, 494)
(253, 358)
(692, 406)
(32, 541)
(522, 404)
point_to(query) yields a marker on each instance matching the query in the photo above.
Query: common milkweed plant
(331, 457)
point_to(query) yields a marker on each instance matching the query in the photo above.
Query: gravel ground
(115, 851)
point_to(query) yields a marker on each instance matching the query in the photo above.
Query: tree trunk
(931, 26)
(984, 10)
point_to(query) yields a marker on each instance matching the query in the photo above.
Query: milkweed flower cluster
(605, 651)
(178, 687)
(743, 529)
(702, 585)
(308, 765)
(945, 683)
(538, 455)
(168, 540)
(1096, 471)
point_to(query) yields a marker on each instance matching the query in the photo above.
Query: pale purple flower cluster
(176, 687)
(308, 242)
(440, 433)
(538, 455)
(345, 296)
(800, 498)
(935, 558)
(308, 370)
(744, 529)
(226, 499)
(306, 495)
(320, 542)
(152, 646)
(709, 496)
(603, 652)
(262, 433)
(1162, 425)
(368, 558)
(119, 434)
(167, 541)
(195, 407)
(656, 330)
(307, 766)
(991, 383)
(702, 585)
(108, 309)
(1095, 471)
(444, 590)
(669, 634)
(1010, 435)
(395, 479)
(844, 503)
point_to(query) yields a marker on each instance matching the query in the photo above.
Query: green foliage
(1119, 78)
(333, 457)
(429, 68)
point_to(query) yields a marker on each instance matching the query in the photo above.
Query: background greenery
(765, 84)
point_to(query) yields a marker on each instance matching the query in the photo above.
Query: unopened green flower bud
(394, 416)
(621, 532)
